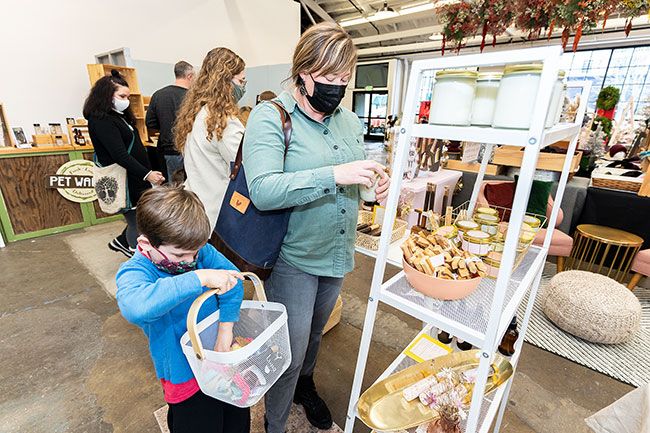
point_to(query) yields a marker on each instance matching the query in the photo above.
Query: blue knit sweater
(159, 302)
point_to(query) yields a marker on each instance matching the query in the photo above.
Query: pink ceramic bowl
(447, 290)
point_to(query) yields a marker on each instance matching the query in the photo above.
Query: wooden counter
(28, 208)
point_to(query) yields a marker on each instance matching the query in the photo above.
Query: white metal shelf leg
(519, 345)
(478, 392)
(382, 254)
(487, 154)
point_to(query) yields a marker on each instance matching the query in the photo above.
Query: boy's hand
(222, 280)
(224, 337)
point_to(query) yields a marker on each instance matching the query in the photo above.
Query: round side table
(597, 246)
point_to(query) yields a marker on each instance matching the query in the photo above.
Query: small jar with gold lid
(532, 221)
(489, 223)
(449, 232)
(465, 226)
(477, 242)
(486, 210)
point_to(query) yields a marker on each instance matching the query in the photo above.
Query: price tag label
(425, 347)
(438, 260)
(470, 152)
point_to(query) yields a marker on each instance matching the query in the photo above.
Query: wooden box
(512, 157)
(471, 167)
(40, 139)
(335, 317)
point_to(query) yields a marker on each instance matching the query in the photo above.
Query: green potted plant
(606, 102)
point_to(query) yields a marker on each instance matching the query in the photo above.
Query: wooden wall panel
(30, 204)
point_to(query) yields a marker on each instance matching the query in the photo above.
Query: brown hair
(266, 95)
(212, 88)
(324, 47)
(171, 215)
(244, 113)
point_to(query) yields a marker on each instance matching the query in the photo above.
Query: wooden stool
(593, 244)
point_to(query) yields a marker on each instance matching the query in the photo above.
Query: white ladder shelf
(482, 318)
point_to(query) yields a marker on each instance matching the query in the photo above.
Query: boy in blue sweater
(172, 266)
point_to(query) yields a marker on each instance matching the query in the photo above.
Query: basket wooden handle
(193, 314)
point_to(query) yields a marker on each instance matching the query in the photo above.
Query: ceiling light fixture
(386, 12)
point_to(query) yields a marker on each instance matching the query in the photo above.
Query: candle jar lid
(486, 210)
(457, 73)
(487, 219)
(478, 237)
(448, 232)
(467, 225)
(532, 68)
(489, 76)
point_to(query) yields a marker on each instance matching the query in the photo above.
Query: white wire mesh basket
(498, 241)
(240, 377)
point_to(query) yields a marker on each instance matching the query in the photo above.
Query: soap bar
(412, 392)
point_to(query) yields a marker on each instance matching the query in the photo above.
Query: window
(624, 68)
(374, 75)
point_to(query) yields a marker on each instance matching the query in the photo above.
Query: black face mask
(326, 97)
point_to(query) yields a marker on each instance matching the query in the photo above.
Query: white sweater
(207, 163)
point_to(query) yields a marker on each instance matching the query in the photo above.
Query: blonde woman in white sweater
(208, 131)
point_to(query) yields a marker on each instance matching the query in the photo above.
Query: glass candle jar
(465, 226)
(532, 221)
(487, 211)
(517, 95)
(489, 223)
(557, 97)
(487, 87)
(453, 95)
(477, 242)
(449, 232)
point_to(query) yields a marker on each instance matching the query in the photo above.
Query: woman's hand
(358, 172)
(155, 177)
(382, 188)
(221, 280)
(224, 337)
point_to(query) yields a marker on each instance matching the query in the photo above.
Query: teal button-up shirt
(322, 228)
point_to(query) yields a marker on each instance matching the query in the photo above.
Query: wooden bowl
(447, 290)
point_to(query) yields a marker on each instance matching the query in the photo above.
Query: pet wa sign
(74, 181)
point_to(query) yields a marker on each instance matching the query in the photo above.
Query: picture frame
(70, 120)
(20, 135)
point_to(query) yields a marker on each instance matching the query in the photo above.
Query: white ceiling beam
(311, 4)
(398, 35)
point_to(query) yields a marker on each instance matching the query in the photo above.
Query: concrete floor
(70, 363)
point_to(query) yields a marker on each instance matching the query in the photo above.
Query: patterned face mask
(174, 268)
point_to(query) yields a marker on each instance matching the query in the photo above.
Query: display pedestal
(418, 186)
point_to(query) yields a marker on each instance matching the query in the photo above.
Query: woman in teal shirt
(319, 179)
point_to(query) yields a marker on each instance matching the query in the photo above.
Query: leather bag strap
(285, 118)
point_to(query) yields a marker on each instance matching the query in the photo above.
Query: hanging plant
(631, 9)
(579, 16)
(532, 16)
(496, 16)
(460, 21)
(608, 7)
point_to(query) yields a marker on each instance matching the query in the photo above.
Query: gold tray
(383, 408)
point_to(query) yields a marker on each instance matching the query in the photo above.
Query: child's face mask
(171, 267)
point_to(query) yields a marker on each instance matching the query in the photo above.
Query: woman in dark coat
(113, 131)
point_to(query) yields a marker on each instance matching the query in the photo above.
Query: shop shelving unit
(99, 70)
(482, 318)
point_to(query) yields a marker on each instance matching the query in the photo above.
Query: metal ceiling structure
(402, 27)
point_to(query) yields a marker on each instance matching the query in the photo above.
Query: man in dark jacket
(161, 116)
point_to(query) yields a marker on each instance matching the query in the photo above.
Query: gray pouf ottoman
(591, 306)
